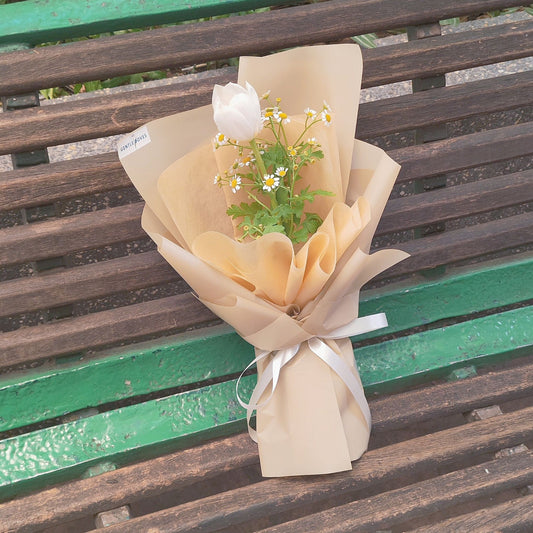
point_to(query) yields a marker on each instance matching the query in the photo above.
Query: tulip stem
(259, 160)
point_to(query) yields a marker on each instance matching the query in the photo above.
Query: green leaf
(274, 228)
(243, 209)
(451, 22)
(312, 222)
(282, 195)
(368, 40)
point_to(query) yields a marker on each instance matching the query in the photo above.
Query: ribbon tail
(269, 375)
(336, 363)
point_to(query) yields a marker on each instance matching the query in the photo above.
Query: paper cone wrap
(296, 306)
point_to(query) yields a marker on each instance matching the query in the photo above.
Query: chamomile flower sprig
(268, 170)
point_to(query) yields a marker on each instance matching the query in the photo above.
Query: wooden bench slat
(125, 434)
(179, 470)
(81, 283)
(454, 295)
(247, 34)
(123, 112)
(129, 483)
(405, 308)
(251, 503)
(126, 421)
(33, 23)
(433, 56)
(101, 116)
(515, 515)
(467, 151)
(124, 324)
(431, 353)
(440, 350)
(455, 202)
(141, 271)
(391, 508)
(445, 104)
(88, 175)
(465, 243)
(181, 360)
(59, 236)
(44, 184)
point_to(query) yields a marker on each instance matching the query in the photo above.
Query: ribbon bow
(280, 358)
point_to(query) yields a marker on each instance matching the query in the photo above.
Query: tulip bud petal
(236, 111)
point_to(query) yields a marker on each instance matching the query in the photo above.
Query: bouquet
(269, 219)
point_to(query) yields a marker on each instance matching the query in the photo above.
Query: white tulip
(237, 112)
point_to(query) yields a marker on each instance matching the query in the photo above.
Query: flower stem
(258, 158)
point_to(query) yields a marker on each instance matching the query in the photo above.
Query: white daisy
(270, 182)
(235, 183)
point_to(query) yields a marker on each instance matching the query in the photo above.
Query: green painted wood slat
(377, 467)
(38, 21)
(182, 419)
(180, 470)
(206, 354)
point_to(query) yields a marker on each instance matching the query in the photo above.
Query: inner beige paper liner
(276, 297)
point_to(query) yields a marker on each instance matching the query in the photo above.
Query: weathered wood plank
(515, 516)
(209, 460)
(122, 112)
(63, 235)
(455, 202)
(67, 179)
(464, 243)
(259, 33)
(445, 104)
(139, 271)
(467, 151)
(125, 324)
(246, 504)
(33, 22)
(119, 436)
(185, 359)
(435, 56)
(101, 116)
(392, 508)
(384, 366)
(45, 184)
(459, 293)
(82, 283)
(478, 341)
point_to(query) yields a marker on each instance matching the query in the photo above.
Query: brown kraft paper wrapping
(278, 298)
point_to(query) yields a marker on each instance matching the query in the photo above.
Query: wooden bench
(117, 392)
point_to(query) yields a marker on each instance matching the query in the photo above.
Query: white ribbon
(317, 345)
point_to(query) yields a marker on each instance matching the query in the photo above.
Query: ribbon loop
(280, 358)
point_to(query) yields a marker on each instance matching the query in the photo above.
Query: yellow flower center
(220, 137)
(282, 173)
(269, 182)
(234, 183)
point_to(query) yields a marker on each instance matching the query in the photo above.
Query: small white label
(135, 140)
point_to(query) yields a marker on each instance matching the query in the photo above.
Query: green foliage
(89, 86)
(368, 40)
(269, 173)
